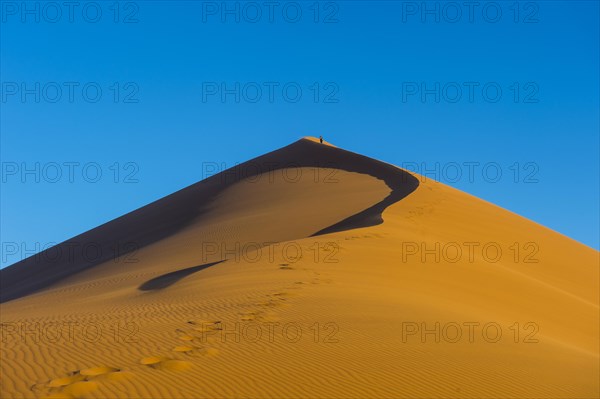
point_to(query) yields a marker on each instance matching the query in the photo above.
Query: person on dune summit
(321, 139)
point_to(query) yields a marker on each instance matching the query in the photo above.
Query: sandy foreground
(309, 272)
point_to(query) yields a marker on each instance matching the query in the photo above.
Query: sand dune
(310, 272)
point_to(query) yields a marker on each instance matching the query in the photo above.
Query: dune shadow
(400, 182)
(167, 280)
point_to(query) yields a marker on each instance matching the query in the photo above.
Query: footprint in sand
(175, 365)
(202, 321)
(119, 375)
(187, 337)
(76, 390)
(282, 295)
(65, 381)
(79, 383)
(276, 299)
(205, 325)
(249, 316)
(184, 349)
(198, 350)
(165, 363)
(152, 360)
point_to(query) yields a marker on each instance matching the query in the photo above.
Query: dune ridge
(363, 271)
(173, 213)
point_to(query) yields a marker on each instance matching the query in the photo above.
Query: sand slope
(282, 281)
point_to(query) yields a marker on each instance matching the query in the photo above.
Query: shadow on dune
(167, 280)
(400, 182)
(174, 212)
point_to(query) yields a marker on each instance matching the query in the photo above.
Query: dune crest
(304, 168)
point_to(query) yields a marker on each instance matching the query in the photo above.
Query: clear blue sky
(369, 74)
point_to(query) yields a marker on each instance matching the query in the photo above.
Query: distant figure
(321, 139)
